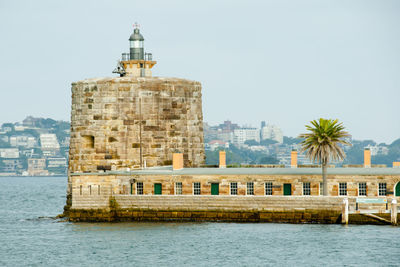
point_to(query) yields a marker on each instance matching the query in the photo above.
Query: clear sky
(284, 61)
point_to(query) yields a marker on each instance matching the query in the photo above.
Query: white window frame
(359, 189)
(194, 188)
(345, 183)
(379, 189)
(265, 188)
(176, 188)
(137, 188)
(230, 188)
(309, 189)
(249, 188)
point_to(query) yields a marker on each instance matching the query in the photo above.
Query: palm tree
(322, 144)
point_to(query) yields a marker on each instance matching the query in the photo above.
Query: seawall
(326, 210)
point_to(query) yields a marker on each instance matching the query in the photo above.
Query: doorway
(397, 190)
(157, 189)
(287, 189)
(215, 189)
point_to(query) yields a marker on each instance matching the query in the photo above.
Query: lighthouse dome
(136, 36)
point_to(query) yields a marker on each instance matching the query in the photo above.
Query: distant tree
(47, 123)
(266, 142)
(269, 160)
(4, 144)
(31, 132)
(395, 145)
(211, 157)
(8, 124)
(251, 143)
(322, 144)
(233, 156)
(291, 140)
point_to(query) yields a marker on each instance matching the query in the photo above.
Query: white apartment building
(272, 132)
(49, 142)
(56, 162)
(10, 153)
(24, 141)
(242, 135)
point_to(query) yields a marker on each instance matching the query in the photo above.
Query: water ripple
(30, 234)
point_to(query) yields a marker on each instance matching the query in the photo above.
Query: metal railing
(147, 56)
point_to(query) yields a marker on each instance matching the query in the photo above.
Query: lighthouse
(136, 49)
(136, 63)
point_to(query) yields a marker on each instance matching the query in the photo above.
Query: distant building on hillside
(244, 134)
(285, 158)
(29, 121)
(57, 162)
(215, 144)
(65, 142)
(37, 167)
(10, 153)
(49, 144)
(19, 128)
(7, 127)
(23, 140)
(224, 135)
(11, 166)
(228, 126)
(378, 150)
(272, 132)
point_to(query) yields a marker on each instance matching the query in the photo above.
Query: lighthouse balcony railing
(127, 56)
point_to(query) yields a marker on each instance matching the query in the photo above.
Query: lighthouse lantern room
(136, 63)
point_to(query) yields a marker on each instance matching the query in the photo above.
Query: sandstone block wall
(122, 183)
(94, 191)
(287, 216)
(113, 197)
(125, 122)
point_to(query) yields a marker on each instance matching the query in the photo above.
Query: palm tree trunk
(324, 181)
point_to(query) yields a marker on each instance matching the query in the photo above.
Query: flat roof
(250, 171)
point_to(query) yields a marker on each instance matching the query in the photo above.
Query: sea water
(29, 235)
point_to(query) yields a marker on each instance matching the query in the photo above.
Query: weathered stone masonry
(128, 122)
(113, 196)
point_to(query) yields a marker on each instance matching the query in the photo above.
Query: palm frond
(322, 142)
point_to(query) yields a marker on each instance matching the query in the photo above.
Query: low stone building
(167, 194)
(351, 182)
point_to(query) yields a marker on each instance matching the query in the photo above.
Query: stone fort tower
(135, 120)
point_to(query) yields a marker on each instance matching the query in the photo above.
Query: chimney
(293, 158)
(177, 161)
(367, 158)
(222, 159)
